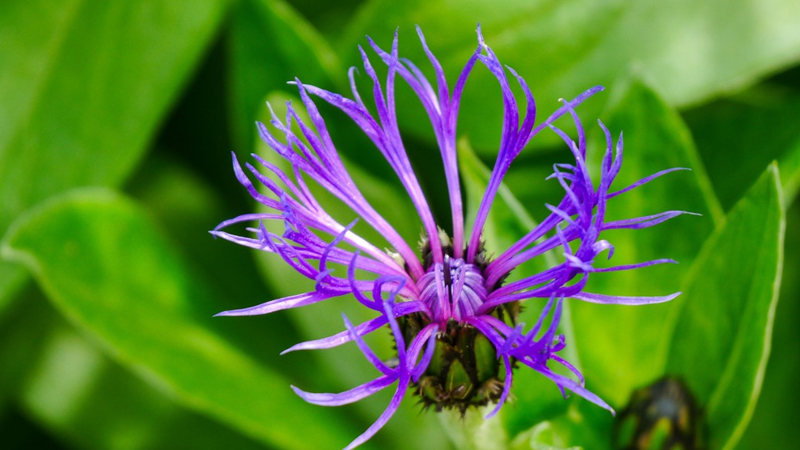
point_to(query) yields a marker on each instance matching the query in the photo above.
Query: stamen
(454, 283)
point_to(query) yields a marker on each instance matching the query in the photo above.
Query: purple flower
(453, 317)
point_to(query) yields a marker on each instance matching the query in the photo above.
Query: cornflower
(453, 317)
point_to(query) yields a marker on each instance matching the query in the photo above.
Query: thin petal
(347, 397)
(339, 338)
(572, 385)
(387, 414)
(645, 221)
(368, 353)
(636, 266)
(646, 180)
(294, 301)
(506, 388)
(363, 329)
(427, 334)
(620, 300)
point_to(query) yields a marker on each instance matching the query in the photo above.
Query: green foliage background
(116, 124)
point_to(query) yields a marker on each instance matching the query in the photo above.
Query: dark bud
(662, 416)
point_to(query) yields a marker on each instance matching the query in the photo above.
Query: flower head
(453, 317)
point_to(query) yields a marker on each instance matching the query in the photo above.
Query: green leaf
(271, 44)
(689, 50)
(722, 336)
(106, 267)
(739, 135)
(85, 85)
(773, 419)
(76, 392)
(620, 345)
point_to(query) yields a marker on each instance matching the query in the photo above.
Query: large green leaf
(271, 44)
(621, 350)
(722, 336)
(85, 85)
(688, 49)
(106, 267)
(774, 416)
(739, 135)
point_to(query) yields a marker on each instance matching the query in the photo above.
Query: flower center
(464, 370)
(453, 290)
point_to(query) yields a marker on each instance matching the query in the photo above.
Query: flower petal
(620, 300)
(346, 397)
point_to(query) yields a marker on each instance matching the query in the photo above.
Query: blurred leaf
(106, 267)
(690, 50)
(81, 395)
(584, 424)
(739, 135)
(722, 335)
(23, 332)
(187, 208)
(271, 44)
(85, 85)
(541, 437)
(19, 431)
(621, 350)
(67, 385)
(327, 16)
(13, 279)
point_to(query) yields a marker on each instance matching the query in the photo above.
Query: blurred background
(117, 120)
